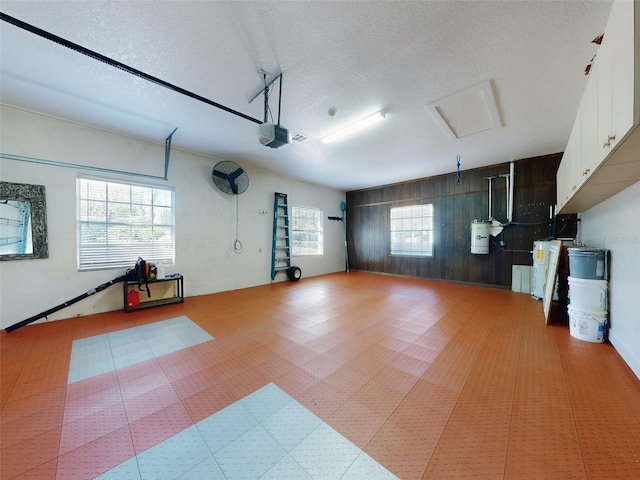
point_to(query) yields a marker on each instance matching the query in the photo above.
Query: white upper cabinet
(567, 178)
(592, 152)
(623, 92)
(608, 160)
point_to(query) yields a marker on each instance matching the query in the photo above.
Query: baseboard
(627, 354)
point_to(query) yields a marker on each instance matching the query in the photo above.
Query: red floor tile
(433, 380)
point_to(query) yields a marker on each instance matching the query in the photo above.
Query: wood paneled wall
(455, 208)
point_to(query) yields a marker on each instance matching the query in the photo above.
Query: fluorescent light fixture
(354, 127)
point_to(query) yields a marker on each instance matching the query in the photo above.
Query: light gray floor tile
(125, 471)
(225, 426)
(207, 470)
(104, 353)
(325, 453)
(266, 401)
(250, 456)
(366, 467)
(291, 424)
(85, 371)
(231, 444)
(122, 337)
(175, 456)
(286, 469)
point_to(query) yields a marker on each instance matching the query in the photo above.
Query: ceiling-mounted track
(114, 63)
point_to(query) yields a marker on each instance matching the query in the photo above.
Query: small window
(412, 230)
(119, 222)
(306, 231)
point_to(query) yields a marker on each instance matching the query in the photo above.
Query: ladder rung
(281, 255)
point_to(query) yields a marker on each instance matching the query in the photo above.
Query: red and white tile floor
(398, 376)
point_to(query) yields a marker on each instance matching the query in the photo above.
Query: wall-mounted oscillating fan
(230, 177)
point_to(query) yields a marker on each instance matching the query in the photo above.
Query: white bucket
(588, 294)
(587, 325)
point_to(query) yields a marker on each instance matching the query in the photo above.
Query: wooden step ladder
(281, 246)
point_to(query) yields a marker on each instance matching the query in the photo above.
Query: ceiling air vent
(298, 137)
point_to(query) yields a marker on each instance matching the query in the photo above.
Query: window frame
(412, 231)
(124, 255)
(320, 232)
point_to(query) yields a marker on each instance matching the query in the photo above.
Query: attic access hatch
(468, 112)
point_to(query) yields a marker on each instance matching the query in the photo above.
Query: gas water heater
(540, 265)
(480, 237)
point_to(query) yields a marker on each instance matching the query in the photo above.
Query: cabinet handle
(607, 143)
(586, 171)
(573, 188)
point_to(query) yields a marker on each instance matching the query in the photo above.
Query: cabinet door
(604, 87)
(620, 31)
(567, 176)
(562, 182)
(591, 153)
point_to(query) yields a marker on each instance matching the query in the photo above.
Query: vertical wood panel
(456, 206)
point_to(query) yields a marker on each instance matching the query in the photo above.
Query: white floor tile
(225, 426)
(286, 469)
(250, 456)
(85, 348)
(131, 358)
(163, 348)
(325, 453)
(232, 444)
(123, 337)
(84, 371)
(207, 470)
(366, 467)
(174, 457)
(291, 425)
(104, 353)
(125, 471)
(266, 401)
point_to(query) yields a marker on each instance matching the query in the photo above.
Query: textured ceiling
(354, 57)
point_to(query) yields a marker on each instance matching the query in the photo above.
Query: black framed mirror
(23, 221)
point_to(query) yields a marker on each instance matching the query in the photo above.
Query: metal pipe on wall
(490, 179)
(510, 191)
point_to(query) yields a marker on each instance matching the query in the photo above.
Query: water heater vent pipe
(509, 179)
(510, 191)
(490, 179)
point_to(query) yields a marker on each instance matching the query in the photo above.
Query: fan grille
(230, 178)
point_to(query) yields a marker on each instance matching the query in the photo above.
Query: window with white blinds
(306, 231)
(119, 222)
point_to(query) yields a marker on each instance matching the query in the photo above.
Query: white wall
(205, 218)
(615, 225)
